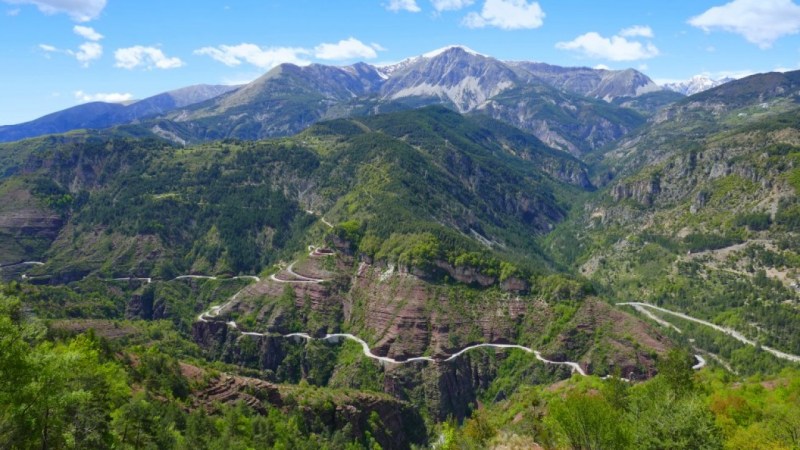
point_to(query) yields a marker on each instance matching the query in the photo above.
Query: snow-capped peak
(386, 70)
(438, 52)
(696, 84)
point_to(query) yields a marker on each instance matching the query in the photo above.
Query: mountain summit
(455, 75)
(463, 48)
(696, 84)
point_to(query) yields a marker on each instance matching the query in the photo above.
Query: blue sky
(59, 53)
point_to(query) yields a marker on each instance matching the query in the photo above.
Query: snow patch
(438, 52)
(696, 84)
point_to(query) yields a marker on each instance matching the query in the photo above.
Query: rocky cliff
(393, 424)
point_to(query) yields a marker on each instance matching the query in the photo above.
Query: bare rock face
(227, 389)
(448, 389)
(31, 223)
(140, 306)
(212, 336)
(455, 75)
(643, 192)
(457, 383)
(466, 275)
(515, 285)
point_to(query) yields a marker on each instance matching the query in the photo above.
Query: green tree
(54, 395)
(676, 369)
(663, 419)
(589, 422)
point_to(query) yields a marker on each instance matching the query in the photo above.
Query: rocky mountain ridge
(289, 98)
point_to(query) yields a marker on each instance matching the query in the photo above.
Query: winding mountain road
(23, 263)
(146, 280)
(701, 362)
(367, 351)
(300, 279)
(195, 277)
(215, 311)
(730, 332)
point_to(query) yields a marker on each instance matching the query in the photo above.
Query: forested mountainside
(414, 278)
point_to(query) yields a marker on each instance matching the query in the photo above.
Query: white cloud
(403, 5)
(507, 15)
(87, 52)
(760, 22)
(112, 97)
(345, 49)
(735, 74)
(450, 5)
(615, 48)
(87, 33)
(637, 31)
(601, 67)
(79, 10)
(148, 57)
(265, 58)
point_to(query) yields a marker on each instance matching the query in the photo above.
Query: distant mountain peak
(437, 52)
(696, 84)
(386, 70)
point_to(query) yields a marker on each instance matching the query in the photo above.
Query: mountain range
(289, 98)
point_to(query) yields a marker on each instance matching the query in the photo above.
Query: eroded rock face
(25, 230)
(643, 192)
(466, 275)
(31, 223)
(446, 389)
(403, 315)
(406, 316)
(623, 339)
(212, 336)
(400, 425)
